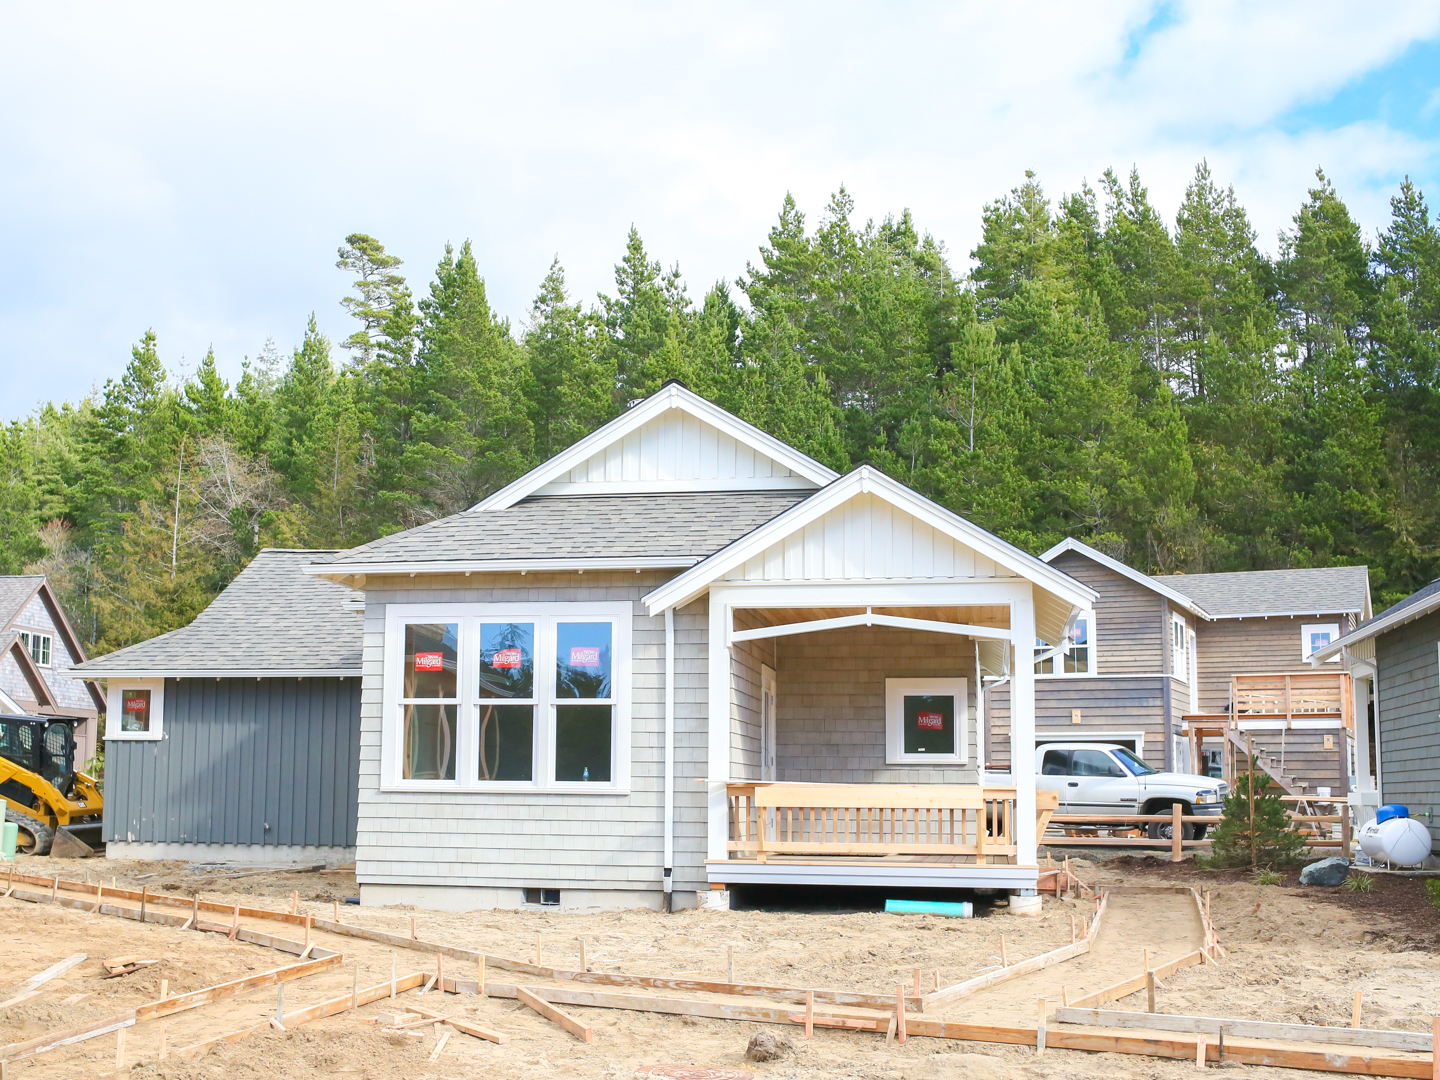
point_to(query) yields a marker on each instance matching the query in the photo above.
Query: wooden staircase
(1266, 762)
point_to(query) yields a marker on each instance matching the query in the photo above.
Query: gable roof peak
(1097, 556)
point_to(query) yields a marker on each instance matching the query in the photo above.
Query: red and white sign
(933, 720)
(137, 704)
(585, 656)
(429, 661)
(506, 658)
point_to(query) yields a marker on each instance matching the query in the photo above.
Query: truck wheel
(1161, 830)
(35, 836)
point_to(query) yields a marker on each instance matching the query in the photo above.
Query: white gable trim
(1177, 598)
(673, 396)
(865, 480)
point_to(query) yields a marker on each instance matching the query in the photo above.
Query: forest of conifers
(1164, 391)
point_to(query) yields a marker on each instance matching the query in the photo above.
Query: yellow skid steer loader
(57, 809)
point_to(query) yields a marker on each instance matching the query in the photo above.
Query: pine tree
(571, 385)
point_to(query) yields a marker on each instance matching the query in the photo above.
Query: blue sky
(192, 169)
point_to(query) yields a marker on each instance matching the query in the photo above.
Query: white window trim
(895, 692)
(27, 638)
(1047, 736)
(469, 617)
(1305, 649)
(1091, 664)
(1179, 648)
(114, 698)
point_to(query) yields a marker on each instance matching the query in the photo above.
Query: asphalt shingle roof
(691, 525)
(1322, 590)
(15, 590)
(272, 618)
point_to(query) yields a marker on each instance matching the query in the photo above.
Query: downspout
(669, 757)
(1379, 754)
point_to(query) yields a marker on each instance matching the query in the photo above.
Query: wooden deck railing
(877, 819)
(1306, 696)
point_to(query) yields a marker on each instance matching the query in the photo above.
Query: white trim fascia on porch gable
(672, 396)
(1178, 598)
(866, 480)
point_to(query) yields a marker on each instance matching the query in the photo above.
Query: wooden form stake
(120, 1048)
(900, 1014)
(1200, 1051)
(809, 1014)
(1177, 832)
(280, 1005)
(918, 991)
(355, 988)
(235, 924)
(1150, 990)
(412, 929)
(1004, 961)
(530, 998)
(392, 973)
(583, 965)
(164, 989)
(1435, 1048)
(144, 898)
(294, 903)
(537, 949)
(480, 966)
(1355, 1010)
(1040, 1028)
(440, 972)
(730, 961)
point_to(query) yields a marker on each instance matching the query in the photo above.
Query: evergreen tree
(572, 383)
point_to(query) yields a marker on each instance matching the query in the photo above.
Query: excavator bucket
(67, 845)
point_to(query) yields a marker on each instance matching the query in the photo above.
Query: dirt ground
(1295, 955)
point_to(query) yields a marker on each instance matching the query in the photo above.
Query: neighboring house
(592, 688)
(1221, 652)
(1394, 659)
(237, 737)
(37, 650)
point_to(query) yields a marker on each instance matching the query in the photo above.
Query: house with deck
(1394, 662)
(682, 657)
(38, 649)
(1188, 670)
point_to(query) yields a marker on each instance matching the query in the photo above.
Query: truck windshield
(1131, 762)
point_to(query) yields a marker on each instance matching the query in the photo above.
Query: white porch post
(1367, 796)
(1022, 742)
(718, 725)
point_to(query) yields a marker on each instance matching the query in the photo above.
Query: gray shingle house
(1394, 659)
(38, 648)
(237, 737)
(680, 657)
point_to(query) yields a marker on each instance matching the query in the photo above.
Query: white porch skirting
(875, 873)
(237, 853)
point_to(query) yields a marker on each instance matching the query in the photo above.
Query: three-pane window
(499, 702)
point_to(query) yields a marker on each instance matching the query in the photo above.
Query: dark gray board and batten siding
(1408, 659)
(238, 755)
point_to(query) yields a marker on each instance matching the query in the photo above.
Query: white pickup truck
(1105, 779)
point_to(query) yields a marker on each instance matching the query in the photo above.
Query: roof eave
(221, 673)
(500, 566)
(1377, 626)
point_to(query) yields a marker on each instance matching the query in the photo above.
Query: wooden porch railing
(877, 819)
(1307, 696)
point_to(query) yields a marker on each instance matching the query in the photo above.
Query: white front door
(1193, 673)
(767, 723)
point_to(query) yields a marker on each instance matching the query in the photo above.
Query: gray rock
(958, 1067)
(767, 1046)
(1328, 872)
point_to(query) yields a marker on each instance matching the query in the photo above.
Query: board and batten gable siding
(1113, 704)
(1408, 663)
(1257, 646)
(674, 446)
(1130, 619)
(532, 839)
(830, 703)
(242, 761)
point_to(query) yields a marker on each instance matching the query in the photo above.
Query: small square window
(582, 660)
(1314, 636)
(507, 660)
(431, 660)
(135, 710)
(925, 721)
(545, 897)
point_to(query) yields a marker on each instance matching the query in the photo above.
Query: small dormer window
(38, 645)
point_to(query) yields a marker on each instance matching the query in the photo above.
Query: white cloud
(194, 169)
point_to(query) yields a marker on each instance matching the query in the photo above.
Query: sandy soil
(1293, 957)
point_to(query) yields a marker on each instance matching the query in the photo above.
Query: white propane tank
(1369, 839)
(1403, 841)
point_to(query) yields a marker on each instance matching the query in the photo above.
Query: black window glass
(582, 742)
(1094, 763)
(507, 660)
(1055, 763)
(582, 660)
(431, 658)
(507, 742)
(929, 724)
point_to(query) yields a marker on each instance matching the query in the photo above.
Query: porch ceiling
(994, 615)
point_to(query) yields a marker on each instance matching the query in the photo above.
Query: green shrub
(1273, 842)
(1360, 883)
(1432, 886)
(1267, 877)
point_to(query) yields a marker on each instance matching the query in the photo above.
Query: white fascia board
(1376, 626)
(1178, 598)
(215, 673)
(500, 566)
(1286, 614)
(864, 480)
(669, 397)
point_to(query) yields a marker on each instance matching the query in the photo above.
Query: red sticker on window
(136, 704)
(930, 720)
(586, 656)
(506, 658)
(429, 661)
